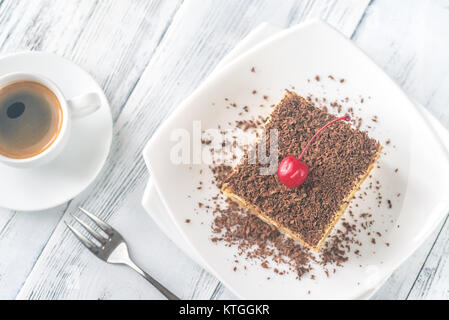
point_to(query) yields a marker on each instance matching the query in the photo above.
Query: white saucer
(71, 172)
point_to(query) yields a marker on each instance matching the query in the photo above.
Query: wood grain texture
(115, 51)
(199, 36)
(22, 238)
(410, 41)
(149, 56)
(433, 277)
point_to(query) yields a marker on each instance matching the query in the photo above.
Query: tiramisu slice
(339, 160)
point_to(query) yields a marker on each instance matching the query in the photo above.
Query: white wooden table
(149, 56)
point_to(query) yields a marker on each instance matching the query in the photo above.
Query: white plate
(80, 162)
(151, 199)
(291, 58)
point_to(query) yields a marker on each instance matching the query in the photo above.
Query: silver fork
(113, 248)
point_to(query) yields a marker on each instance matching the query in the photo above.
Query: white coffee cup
(77, 107)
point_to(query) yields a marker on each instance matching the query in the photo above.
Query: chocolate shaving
(256, 240)
(337, 160)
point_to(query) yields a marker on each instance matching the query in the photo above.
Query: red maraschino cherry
(293, 172)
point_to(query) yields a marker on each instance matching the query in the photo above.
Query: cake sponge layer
(340, 159)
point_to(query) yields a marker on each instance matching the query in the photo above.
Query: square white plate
(151, 200)
(290, 58)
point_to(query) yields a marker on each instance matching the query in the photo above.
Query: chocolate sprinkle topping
(337, 161)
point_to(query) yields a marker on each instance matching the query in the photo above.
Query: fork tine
(86, 242)
(103, 225)
(91, 231)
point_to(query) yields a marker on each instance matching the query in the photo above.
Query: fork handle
(168, 294)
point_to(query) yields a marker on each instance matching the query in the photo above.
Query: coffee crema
(30, 119)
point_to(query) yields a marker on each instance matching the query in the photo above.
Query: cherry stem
(345, 118)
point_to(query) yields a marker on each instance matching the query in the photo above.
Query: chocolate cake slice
(340, 159)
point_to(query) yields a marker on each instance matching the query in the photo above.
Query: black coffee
(30, 119)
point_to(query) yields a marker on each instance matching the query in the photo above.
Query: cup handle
(84, 105)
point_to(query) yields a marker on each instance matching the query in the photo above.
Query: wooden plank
(432, 281)
(113, 40)
(409, 40)
(201, 33)
(22, 238)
